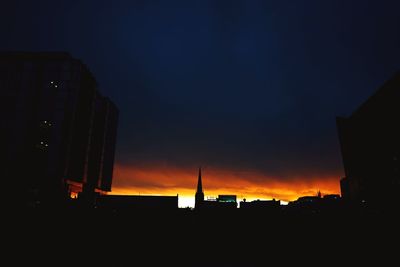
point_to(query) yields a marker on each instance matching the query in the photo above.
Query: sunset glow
(169, 180)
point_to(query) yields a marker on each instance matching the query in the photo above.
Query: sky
(248, 90)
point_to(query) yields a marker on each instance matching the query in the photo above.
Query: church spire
(199, 184)
(199, 193)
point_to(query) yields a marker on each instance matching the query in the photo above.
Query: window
(45, 124)
(54, 84)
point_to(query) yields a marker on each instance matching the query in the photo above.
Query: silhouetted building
(199, 197)
(307, 201)
(103, 139)
(227, 198)
(268, 205)
(370, 147)
(306, 205)
(59, 131)
(223, 201)
(330, 204)
(227, 201)
(331, 197)
(135, 203)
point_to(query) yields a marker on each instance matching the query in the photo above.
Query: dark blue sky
(232, 84)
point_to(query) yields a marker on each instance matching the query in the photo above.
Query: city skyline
(185, 187)
(247, 89)
(63, 131)
(196, 133)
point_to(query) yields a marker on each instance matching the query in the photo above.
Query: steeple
(199, 193)
(199, 184)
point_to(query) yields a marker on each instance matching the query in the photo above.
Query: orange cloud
(161, 179)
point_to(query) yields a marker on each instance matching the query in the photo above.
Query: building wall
(369, 141)
(103, 141)
(48, 120)
(110, 137)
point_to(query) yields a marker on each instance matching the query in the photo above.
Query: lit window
(54, 84)
(45, 124)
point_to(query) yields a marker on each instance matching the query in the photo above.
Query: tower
(199, 193)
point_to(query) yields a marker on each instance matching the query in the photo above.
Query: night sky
(249, 90)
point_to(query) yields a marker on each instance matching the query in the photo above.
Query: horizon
(186, 196)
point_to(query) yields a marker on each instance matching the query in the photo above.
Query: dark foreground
(188, 238)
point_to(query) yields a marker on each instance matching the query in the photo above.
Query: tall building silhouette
(103, 140)
(59, 130)
(370, 146)
(199, 199)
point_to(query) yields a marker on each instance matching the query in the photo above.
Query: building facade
(59, 131)
(370, 146)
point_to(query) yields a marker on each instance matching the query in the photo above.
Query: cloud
(159, 178)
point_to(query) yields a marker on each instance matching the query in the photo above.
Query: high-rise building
(103, 138)
(370, 147)
(59, 131)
